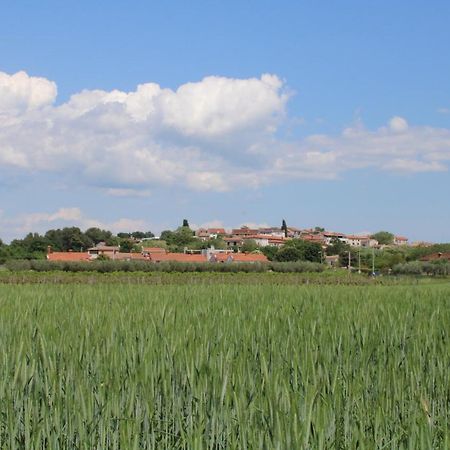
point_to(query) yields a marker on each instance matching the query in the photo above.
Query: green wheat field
(224, 367)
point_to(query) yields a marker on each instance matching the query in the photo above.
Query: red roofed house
(239, 257)
(68, 256)
(441, 256)
(400, 240)
(177, 257)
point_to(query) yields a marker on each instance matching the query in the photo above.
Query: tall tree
(284, 228)
(383, 237)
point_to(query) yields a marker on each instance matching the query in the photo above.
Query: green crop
(224, 367)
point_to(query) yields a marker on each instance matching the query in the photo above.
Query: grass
(227, 366)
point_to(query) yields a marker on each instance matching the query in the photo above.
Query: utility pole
(373, 262)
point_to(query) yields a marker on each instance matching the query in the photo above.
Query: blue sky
(324, 113)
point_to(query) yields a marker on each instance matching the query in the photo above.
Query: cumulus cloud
(212, 135)
(20, 93)
(396, 147)
(72, 216)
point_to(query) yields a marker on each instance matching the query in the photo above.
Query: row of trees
(34, 245)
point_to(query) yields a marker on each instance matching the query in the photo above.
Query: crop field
(224, 366)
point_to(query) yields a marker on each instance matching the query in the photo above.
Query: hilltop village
(242, 244)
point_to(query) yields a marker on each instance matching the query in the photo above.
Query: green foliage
(177, 240)
(337, 247)
(288, 253)
(136, 235)
(249, 246)
(383, 237)
(224, 367)
(97, 235)
(126, 245)
(414, 253)
(438, 268)
(270, 252)
(105, 265)
(69, 238)
(297, 250)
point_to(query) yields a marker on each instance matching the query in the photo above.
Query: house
(104, 250)
(271, 231)
(244, 231)
(210, 233)
(400, 240)
(177, 257)
(153, 250)
(131, 257)
(440, 256)
(360, 241)
(332, 260)
(68, 256)
(234, 241)
(329, 236)
(318, 238)
(239, 257)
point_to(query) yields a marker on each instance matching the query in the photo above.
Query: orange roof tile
(154, 250)
(178, 257)
(68, 256)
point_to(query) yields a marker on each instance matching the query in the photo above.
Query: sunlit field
(224, 366)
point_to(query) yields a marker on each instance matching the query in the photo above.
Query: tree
(185, 223)
(270, 251)
(249, 246)
(178, 239)
(299, 250)
(126, 245)
(97, 235)
(284, 228)
(142, 234)
(341, 249)
(69, 238)
(337, 247)
(288, 253)
(383, 237)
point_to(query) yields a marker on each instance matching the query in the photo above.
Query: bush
(169, 266)
(441, 268)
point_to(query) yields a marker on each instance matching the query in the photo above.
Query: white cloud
(217, 134)
(20, 93)
(124, 192)
(396, 147)
(72, 216)
(398, 124)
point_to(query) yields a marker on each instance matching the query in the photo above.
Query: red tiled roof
(240, 257)
(179, 257)
(437, 257)
(244, 231)
(332, 234)
(216, 231)
(249, 257)
(154, 250)
(68, 256)
(130, 256)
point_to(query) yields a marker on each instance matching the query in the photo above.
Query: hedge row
(441, 268)
(143, 266)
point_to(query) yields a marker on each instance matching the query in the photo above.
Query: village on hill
(244, 244)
